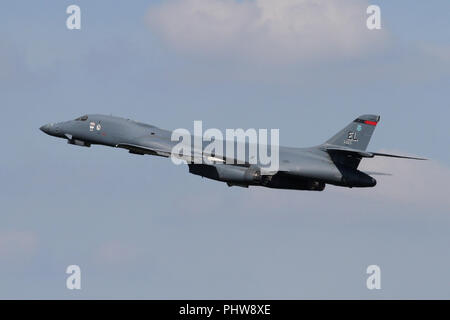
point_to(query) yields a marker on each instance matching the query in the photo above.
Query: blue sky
(140, 227)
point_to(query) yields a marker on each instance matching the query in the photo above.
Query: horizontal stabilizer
(365, 154)
(374, 173)
(376, 154)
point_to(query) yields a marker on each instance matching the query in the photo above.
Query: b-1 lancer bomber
(334, 162)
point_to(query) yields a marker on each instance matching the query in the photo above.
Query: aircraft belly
(325, 172)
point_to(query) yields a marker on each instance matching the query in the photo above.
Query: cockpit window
(83, 118)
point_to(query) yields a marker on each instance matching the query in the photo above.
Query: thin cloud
(116, 253)
(266, 30)
(423, 183)
(16, 245)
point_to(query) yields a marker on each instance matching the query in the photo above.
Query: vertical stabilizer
(357, 134)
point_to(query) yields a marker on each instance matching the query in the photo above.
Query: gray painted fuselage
(299, 168)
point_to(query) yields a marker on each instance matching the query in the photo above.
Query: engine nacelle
(283, 181)
(355, 178)
(227, 173)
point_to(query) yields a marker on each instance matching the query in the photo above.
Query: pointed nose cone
(52, 129)
(44, 128)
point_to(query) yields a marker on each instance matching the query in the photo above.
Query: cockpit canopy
(82, 118)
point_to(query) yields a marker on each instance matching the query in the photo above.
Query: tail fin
(357, 134)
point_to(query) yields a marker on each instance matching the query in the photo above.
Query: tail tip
(368, 117)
